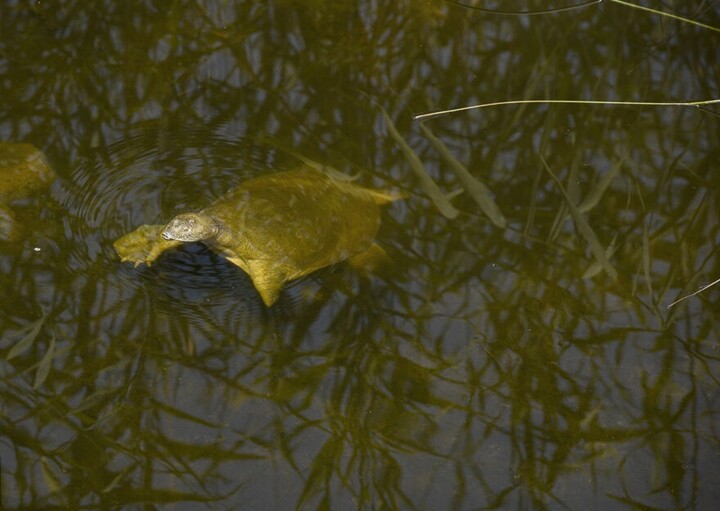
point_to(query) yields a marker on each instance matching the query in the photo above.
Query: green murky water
(524, 360)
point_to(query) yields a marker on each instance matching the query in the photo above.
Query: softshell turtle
(23, 172)
(276, 228)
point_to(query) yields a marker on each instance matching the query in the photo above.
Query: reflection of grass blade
(573, 192)
(595, 267)
(440, 200)
(52, 481)
(646, 258)
(596, 193)
(320, 167)
(317, 481)
(33, 329)
(45, 364)
(477, 190)
(583, 227)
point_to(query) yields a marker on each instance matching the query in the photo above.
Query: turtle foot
(143, 245)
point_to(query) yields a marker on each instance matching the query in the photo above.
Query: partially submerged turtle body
(276, 228)
(23, 172)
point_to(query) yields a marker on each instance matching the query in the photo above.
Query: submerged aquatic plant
(601, 255)
(442, 201)
(701, 103)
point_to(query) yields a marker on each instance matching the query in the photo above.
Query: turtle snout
(166, 236)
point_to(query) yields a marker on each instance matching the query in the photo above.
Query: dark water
(492, 367)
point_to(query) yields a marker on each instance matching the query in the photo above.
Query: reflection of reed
(483, 371)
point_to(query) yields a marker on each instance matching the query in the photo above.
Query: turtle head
(190, 227)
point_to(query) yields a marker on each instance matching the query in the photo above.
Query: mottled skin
(276, 228)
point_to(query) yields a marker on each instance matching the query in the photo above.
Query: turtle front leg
(143, 245)
(267, 278)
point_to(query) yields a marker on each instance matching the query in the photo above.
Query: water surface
(522, 361)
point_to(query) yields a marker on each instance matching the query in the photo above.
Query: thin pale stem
(695, 293)
(667, 14)
(582, 6)
(524, 13)
(432, 115)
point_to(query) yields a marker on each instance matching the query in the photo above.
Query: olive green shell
(300, 220)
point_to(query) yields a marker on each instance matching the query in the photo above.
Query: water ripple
(147, 178)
